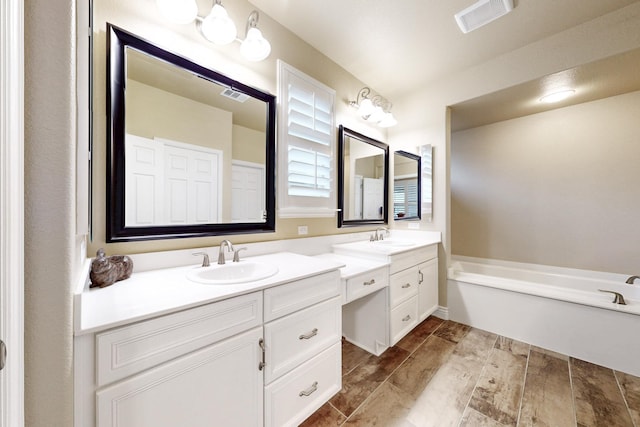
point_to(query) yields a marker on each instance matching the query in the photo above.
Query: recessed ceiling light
(557, 96)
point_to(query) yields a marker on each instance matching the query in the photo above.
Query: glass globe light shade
(217, 27)
(178, 11)
(255, 47)
(388, 121)
(366, 108)
(377, 115)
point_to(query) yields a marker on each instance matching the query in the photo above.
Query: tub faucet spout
(631, 279)
(617, 299)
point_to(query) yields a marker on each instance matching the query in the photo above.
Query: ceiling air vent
(235, 95)
(481, 13)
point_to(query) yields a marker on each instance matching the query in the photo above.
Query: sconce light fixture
(374, 109)
(217, 27)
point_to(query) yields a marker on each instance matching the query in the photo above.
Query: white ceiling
(396, 46)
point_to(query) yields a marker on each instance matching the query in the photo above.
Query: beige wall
(53, 251)
(555, 188)
(248, 145)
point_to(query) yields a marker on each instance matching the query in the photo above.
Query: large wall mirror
(407, 192)
(191, 151)
(363, 179)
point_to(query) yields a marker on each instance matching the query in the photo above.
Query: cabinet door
(427, 288)
(220, 385)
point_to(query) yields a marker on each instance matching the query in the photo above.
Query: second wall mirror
(406, 185)
(363, 181)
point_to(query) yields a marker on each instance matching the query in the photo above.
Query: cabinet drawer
(125, 351)
(403, 319)
(403, 285)
(293, 397)
(408, 259)
(299, 336)
(366, 283)
(285, 299)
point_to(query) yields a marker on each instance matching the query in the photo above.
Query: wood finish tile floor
(448, 374)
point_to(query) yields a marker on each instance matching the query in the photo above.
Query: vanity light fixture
(557, 96)
(254, 47)
(375, 109)
(217, 27)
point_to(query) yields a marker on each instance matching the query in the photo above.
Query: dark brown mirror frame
(344, 133)
(116, 230)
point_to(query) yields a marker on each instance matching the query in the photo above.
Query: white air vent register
(481, 13)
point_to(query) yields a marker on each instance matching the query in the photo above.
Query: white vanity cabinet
(271, 356)
(302, 337)
(413, 289)
(185, 368)
(412, 282)
(218, 385)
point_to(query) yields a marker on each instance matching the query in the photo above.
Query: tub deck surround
(556, 308)
(570, 285)
(157, 292)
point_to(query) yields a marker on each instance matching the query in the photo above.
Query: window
(306, 145)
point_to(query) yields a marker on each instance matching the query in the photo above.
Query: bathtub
(556, 308)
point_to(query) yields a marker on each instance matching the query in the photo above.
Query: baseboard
(442, 313)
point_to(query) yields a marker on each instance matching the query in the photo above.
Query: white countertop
(397, 243)
(157, 292)
(352, 266)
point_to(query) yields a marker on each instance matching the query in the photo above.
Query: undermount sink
(230, 274)
(394, 242)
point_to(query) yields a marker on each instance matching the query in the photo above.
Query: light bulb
(217, 27)
(366, 108)
(178, 11)
(255, 47)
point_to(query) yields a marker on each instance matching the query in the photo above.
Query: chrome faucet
(381, 235)
(631, 279)
(221, 250)
(236, 254)
(205, 260)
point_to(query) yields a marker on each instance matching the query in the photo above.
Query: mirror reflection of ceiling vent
(481, 13)
(235, 95)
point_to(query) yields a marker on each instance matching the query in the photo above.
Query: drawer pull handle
(262, 363)
(370, 282)
(309, 335)
(310, 390)
(421, 277)
(406, 285)
(406, 318)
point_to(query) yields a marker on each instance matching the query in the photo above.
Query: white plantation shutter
(307, 144)
(405, 197)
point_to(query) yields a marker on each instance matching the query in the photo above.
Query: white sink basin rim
(232, 273)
